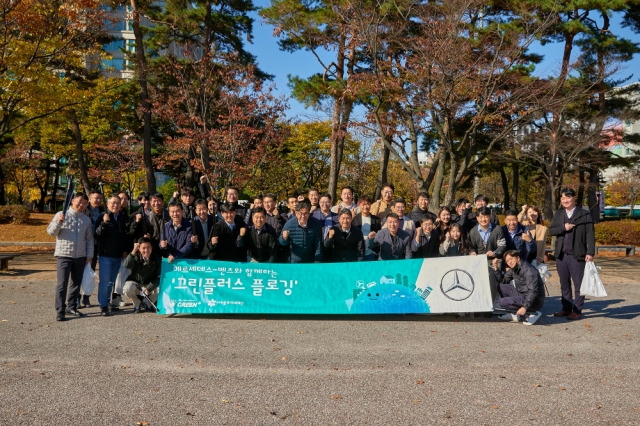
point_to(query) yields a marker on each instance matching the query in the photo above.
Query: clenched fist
(372, 235)
(203, 179)
(332, 232)
(138, 217)
(163, 244)
(61, 219)
(214, 240)
(176, 194)
(243, 231)
(194, 239)
(285, 235)
(106, 218)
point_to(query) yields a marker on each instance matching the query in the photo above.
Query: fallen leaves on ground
(419, 382)
(336, 397)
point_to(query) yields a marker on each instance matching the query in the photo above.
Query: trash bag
(591, 282)
(544, 272)
(123, 273)
(88, 281)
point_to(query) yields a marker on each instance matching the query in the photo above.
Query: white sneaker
(532, 318)
(115, 302)
(509, 317)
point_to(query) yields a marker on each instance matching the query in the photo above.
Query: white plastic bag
(591, 283)
(88, 281)
(123, 273)
(544, 272)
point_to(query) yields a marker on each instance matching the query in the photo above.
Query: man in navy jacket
(177, 233)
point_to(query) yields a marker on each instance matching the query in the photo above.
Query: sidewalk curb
(26, 244)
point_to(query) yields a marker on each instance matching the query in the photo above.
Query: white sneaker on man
(532, 318)
(509, 317)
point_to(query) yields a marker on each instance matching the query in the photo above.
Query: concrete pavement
(231, 370)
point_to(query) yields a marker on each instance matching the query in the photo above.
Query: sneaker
(104, 312)
(60, 316)
(116, 302)
(136, 309)
(509, 317)
(532, 318)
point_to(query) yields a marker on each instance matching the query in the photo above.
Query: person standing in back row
(575, 245)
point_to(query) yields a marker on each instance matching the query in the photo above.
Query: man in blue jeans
(74, 249)
(113, 246)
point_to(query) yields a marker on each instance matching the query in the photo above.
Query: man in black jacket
(113, 246)
(201, 227)
(145, 273)
(223, 244)
(232, 196)
(345, 241)
(426, 243)
(369, 224)
(151, 224)
(260, 238)
(575, 245)
(528, 293)
(421, 209)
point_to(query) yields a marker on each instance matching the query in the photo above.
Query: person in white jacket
(74, 250)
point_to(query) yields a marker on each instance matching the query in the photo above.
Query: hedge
(618, 232)
(16, 214)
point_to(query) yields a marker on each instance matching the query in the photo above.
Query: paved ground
(241, 370)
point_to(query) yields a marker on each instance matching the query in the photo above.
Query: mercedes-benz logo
(457, 285)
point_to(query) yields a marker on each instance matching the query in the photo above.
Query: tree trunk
(515, 187)
(581, 179)
(592, 199)
(77, 135)
(3, 199)
(341, 116)
(45, 187)
(382, 177)
(56, 179)
(144, 97)
(505, 189)
(438, 180)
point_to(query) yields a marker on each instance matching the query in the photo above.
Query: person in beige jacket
(399, 206)
(531, 217)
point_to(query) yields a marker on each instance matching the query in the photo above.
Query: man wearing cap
(575, 244)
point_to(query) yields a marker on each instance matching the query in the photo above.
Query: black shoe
(104, 312)
(86, 303)
(60, 317)
(114, 308)
(136, 309)
(75, 312)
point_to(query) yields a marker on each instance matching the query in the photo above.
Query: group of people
(314, 228)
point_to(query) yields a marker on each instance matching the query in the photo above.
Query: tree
(625, 188)
(223, 119)
(316, 25)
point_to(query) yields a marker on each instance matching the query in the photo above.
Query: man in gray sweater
(74, 249)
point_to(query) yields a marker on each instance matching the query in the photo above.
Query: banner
(441, 285)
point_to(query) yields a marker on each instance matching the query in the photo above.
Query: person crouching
(528, 293)
(145, 273)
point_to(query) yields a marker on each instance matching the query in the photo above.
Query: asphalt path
(234, 370)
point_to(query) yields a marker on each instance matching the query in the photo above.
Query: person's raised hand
(332, 232)
(372, 235)
(163, 244)
(447, 236)
(203, 179)
(106, 218)
(136, 247)
(285, 235)
(524, 207)
(418, 233)
(214, 240)
(176, 194)
(194, 239)
(138, 217)
(243, 232)
(61, 218)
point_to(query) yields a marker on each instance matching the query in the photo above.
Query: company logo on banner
(443, 285)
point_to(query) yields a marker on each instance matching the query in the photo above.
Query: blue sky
(303, 63)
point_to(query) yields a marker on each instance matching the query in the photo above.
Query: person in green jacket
(145, 273)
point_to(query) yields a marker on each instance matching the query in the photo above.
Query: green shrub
(16, 214)
(618, 232)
